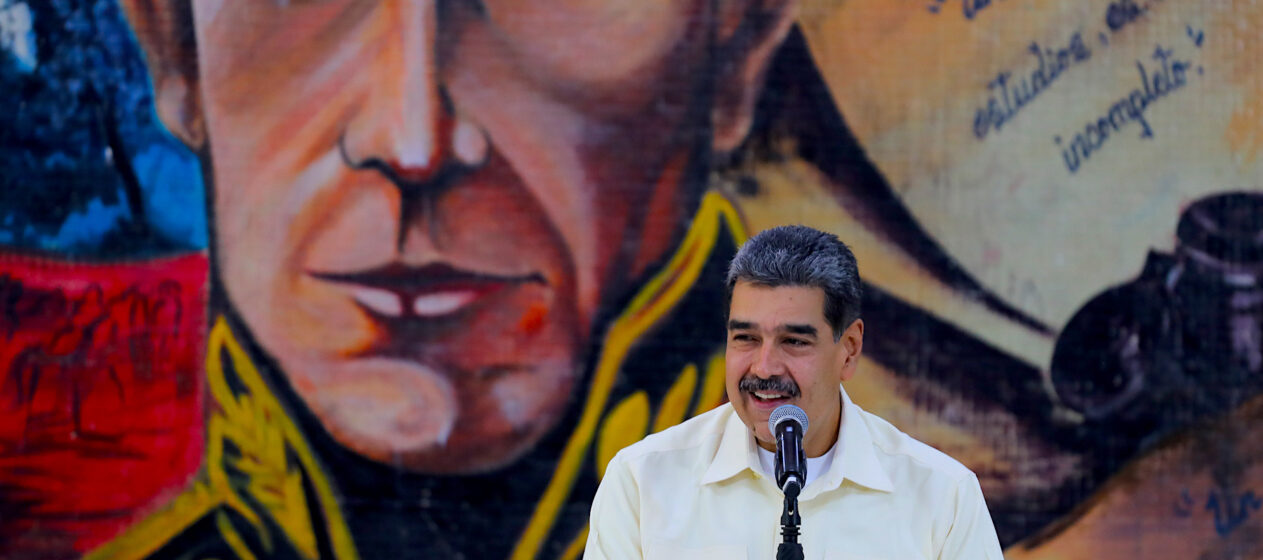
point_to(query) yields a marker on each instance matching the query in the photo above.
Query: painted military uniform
(273, 485)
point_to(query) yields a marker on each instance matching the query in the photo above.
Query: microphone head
(785, 413)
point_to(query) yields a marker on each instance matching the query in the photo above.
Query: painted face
(419, 206)
(781, 351)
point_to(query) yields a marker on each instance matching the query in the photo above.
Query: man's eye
(739, 337)
(796, 342)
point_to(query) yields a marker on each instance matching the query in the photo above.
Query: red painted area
(100, 394)
(533, 320)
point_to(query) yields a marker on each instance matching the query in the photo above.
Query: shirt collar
(736, 451)
(856, 460)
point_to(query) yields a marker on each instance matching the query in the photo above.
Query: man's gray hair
(802, 256)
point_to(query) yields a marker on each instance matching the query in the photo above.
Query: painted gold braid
(651, 303)
(246, 416)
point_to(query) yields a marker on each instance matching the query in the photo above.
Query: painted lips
(436, 290)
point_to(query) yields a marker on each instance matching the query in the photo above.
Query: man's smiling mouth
(765, 396)
(769, 390)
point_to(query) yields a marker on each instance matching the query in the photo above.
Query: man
(562, 129)
(455, 245)
(420, 211)
(706, 489)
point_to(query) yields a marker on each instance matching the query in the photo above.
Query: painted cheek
(533, 320)
(304, 385)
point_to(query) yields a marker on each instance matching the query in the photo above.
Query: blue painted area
(16, 35)
(174, 202)
(78, 110)
(86, 227)
(174, 193)
(1230, 510)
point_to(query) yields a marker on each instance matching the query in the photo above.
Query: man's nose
(766, 364)
(406, 126)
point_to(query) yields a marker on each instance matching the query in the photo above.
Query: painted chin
(385, 407)
(434, 400)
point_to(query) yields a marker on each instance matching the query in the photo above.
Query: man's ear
(747, 39)
(165, 31)
(852, 344)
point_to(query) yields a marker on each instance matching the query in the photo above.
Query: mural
(341, 278)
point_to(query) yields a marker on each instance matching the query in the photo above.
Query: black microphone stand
(790, 548)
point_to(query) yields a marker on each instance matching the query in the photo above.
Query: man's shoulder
(699, 434)
(896, 448)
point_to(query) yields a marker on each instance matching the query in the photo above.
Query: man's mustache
(777, 384)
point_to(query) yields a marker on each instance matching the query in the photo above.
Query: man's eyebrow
(800, 329)
(735, 325)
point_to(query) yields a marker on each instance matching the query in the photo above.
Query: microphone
(788, 425)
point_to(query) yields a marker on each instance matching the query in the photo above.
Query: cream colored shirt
(697, 491)
(815, 465)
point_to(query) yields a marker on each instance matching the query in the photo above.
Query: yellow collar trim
(654, 300)
(243, 412)
(246, 414)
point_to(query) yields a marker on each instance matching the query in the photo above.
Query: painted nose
(407, 126)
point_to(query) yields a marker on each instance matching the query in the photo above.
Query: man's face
(419, 206)
(781, 350)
